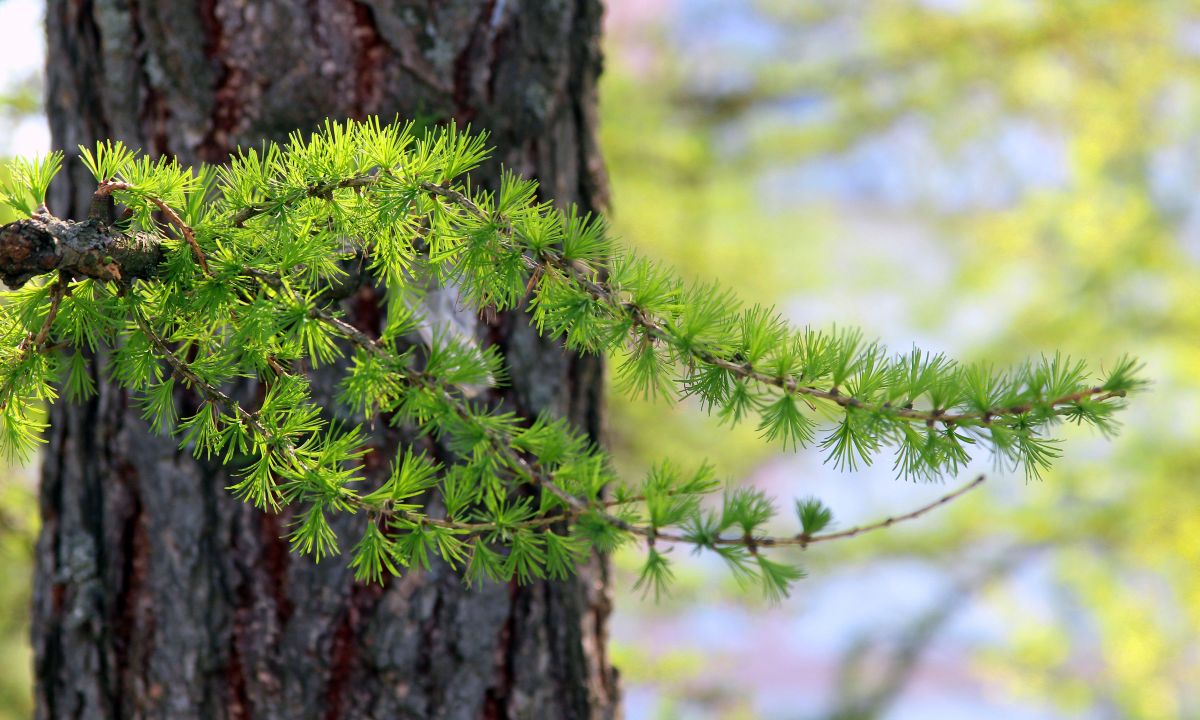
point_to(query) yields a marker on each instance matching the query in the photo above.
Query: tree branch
(189, 236)
(582, 275)
(88, 248)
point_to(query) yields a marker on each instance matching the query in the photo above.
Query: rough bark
(37, 245)
(159, 595)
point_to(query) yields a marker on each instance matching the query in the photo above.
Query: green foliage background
(1105, 255)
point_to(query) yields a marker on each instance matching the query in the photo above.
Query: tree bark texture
(157, 594)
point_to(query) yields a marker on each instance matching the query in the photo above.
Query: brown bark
(159, 595)
(37, 245)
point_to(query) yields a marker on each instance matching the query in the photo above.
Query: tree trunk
(159, 595)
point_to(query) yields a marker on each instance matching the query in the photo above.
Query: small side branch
(584, 276)
(888, 522)
(804, 540)
(57, 290)
(181, 370)
(189, 236)
(323, 189)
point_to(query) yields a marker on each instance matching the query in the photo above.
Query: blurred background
(989, 178)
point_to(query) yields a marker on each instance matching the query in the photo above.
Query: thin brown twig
(320, 189)
(804, 539)
(211, 393)
(57, 292)
(582, 274)
(887, 522)
(110, 186)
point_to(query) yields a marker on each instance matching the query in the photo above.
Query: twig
(581, 274)
(804, 540)
(183, 372)
(37, 343)
(887, 522)
(57, 290)
(320, 189)
(108, 187)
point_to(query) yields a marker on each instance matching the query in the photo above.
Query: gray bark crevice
(158, 595)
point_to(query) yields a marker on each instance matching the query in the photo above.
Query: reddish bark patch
(228, 104)
(370, 53)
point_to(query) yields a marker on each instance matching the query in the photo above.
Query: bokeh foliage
(1056, 163)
